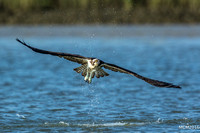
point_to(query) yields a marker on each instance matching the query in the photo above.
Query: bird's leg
(90, 77)
(86, 77)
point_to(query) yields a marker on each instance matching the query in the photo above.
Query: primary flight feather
(91, 67)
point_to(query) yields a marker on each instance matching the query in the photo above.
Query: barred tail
(101, 73)
(80, 69)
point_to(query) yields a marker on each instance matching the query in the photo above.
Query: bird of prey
(91, 67)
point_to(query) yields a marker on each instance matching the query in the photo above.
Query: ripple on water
(42, 93)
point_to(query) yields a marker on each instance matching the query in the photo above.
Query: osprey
(91, 67)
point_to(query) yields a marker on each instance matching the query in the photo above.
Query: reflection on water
(42, 93)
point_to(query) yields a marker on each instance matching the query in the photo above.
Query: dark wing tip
(174, 86)
(19, 41)
(22, 42)
(177, 87)
(167, 85)
(35, 49)
(160, 83)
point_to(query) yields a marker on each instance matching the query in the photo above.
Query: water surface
(42, 93)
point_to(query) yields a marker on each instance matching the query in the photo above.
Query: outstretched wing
(72, 57)
(148, 80)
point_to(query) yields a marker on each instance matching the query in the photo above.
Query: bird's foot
(88, 81)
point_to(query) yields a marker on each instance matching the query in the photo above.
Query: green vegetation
(99, 11)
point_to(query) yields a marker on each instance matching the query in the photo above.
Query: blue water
(42, 93)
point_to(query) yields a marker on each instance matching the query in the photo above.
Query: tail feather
(97, 74)
(84, 72)
(80, 69)
(104, 73)
(101, 73)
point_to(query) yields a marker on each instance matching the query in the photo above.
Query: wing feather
(71, 57)
(157, 83)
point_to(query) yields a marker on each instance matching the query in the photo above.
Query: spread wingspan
(99, 72)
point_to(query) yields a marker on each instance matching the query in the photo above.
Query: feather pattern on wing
(99, 72)
(71, 57)
(148, 80)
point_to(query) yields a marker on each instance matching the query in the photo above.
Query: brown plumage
(93, 67)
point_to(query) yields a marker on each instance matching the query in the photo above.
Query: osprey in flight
(91, 67)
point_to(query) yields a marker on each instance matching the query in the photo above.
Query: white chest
(90, 65)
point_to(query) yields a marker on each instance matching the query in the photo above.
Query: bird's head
(95, 62)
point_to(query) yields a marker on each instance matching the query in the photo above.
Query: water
(42, 93)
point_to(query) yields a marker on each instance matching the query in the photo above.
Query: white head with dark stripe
(95, 62)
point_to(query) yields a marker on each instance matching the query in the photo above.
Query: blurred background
(159, 39)
(99, 11)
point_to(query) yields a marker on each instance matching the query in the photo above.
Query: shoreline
(64, 17)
